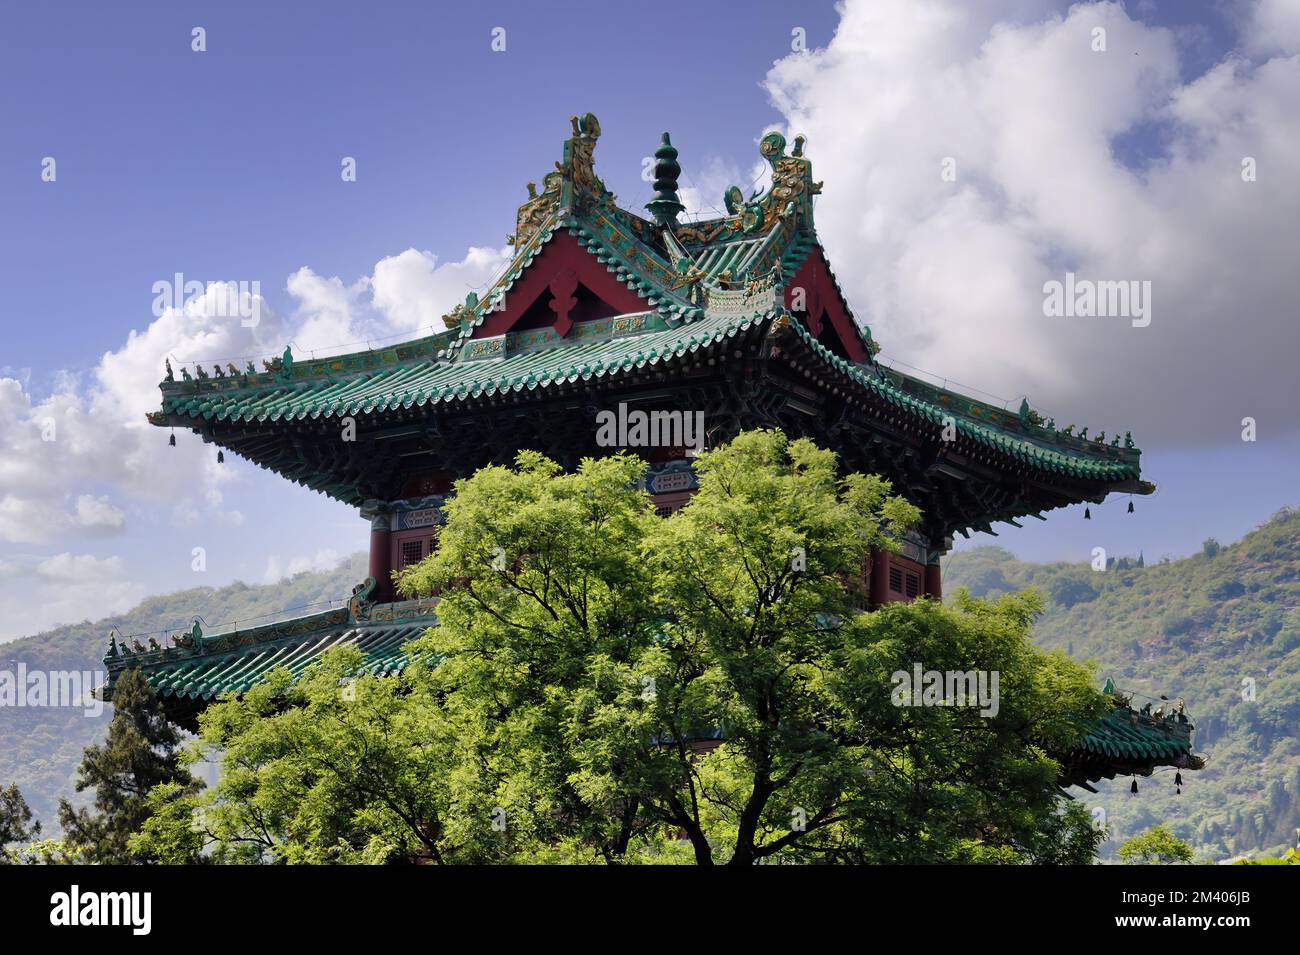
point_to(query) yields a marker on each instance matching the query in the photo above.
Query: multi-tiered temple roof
(739, 318)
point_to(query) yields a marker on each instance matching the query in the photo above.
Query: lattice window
(896, 579)
(913, 585)
(664, 510)
(412, 552)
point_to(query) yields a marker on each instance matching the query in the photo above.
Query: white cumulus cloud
(80, 460)
(1041, 131)
(406, 294)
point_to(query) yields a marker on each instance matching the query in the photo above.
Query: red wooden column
(381, 554)
(933, 581)
(879, 578)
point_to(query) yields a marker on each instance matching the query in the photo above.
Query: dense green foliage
(1156, 846)
(588, 653)
(1195, 628)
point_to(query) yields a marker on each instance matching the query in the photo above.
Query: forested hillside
(1221, 629)
(41, 747)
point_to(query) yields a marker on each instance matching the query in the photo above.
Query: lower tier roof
(198, 670)
(1128, 742)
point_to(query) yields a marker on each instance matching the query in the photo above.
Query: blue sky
(227, 163)
(224, 166)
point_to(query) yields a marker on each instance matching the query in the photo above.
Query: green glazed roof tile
(1125, 733)
(234, 661)
(208, 677)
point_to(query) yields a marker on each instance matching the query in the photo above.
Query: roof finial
(666, 206)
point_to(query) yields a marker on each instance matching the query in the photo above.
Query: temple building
(736, 322)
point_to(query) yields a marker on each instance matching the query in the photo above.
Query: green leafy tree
(1156, 846)
(608, 685)
(16, 825)
(169, 834)
(140, 753)
(334, 768)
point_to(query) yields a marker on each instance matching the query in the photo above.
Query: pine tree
(141, 752)
(15, 821)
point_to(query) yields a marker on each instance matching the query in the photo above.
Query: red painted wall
(562, 254)
(822, 297)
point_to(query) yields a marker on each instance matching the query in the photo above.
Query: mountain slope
(1221, 629)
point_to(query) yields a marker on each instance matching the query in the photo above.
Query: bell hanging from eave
(1130, 507)
(1178, 779)
(1134, 788)
(1087, 513)
(221, 457)
(171, 440)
